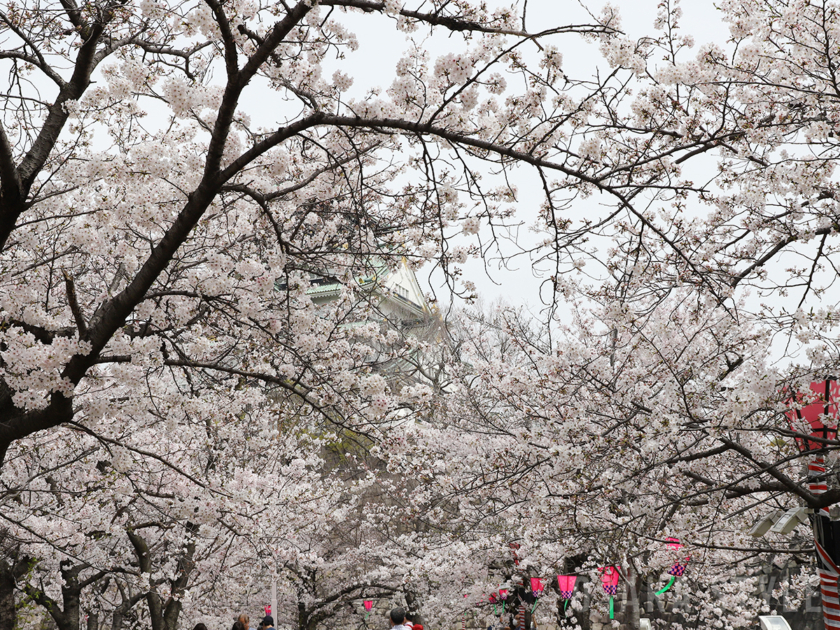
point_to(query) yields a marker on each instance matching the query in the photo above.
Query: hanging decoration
(368, 603)
(566, 584)
(819, 408)
(677, 569)
(267, 610)
(514, 547)
(609, 580)
(503, 593)
(537, 588)
(495, 598)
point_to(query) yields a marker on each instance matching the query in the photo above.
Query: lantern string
(612, 611)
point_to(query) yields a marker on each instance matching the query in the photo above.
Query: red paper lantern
(566, 583)
(609, 579)
(819, 409)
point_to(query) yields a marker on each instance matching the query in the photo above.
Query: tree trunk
(165, 616)
(633, 612)
(413, 605)
(155, 610)
(8, 612)
(120, 613)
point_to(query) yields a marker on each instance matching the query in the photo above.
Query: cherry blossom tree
(174, 175)
(158, 238)
(651, 402)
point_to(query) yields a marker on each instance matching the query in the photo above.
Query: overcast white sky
(381, 46)
(373, 63)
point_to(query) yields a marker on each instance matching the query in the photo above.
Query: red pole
(828, 570)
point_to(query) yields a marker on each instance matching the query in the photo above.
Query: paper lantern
(496, 598)
(677, 569)
(609, 581)
(566, 584)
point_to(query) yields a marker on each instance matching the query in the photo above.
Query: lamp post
(820, 411)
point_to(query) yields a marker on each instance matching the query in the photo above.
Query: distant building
(395, 301)
(395, 293)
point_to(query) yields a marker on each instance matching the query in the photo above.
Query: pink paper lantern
(566, 584)
(537, 586)
(368, 604)
(609, 579)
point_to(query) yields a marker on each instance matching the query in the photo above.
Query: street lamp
(789, 520)
(818, 408)
(764, 524)
(773, 622)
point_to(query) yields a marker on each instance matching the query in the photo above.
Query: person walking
(246, 621)
(268, 622)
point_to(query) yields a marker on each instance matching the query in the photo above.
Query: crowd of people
(243, 622)
(398, 618)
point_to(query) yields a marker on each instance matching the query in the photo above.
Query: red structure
(817, 410)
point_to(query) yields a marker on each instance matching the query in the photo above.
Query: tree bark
(413, 605)
(164, 616)
(8, 611)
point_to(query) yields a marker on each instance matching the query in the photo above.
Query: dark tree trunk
(13, 567)
(414, 608)
(8, 611)
(164, 615)
(67, 616)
